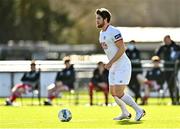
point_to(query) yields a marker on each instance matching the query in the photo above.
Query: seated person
(29, 81)
(99, 81)
(64, 82)
(153, 79)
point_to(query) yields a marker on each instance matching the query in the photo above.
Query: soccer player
(29, 81)
(119, 65)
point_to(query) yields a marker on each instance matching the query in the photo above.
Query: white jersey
(108, 39)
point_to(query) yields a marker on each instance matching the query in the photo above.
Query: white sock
(122, 105)
(130, 101)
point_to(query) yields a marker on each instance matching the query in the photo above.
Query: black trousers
(135, 86)
(169, 77)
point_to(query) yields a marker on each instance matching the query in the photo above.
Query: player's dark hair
(104, 13)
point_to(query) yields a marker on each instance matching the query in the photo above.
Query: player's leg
(17, 91)
(113, 90)
(121, 79)
(119, 102)
(130, 101)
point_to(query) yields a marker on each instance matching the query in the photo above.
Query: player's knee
(113, 94)
(120, 95)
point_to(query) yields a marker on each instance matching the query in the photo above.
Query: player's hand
(108, 66)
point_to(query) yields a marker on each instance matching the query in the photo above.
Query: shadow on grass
(129, 122)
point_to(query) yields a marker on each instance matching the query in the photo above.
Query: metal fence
(12, 71)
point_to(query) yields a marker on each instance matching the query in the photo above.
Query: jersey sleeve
(116, 35)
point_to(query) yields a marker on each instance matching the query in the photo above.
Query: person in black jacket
(153, 79)
(64, 82)
(134, 55)
(170, 52)
(30, 80)
(99, 81)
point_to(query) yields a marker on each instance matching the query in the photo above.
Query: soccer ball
(65, 115)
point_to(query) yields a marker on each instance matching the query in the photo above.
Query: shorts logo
(117, 36)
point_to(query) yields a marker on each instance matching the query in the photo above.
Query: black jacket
(134, 56)
(169, 53)
(31, 78)
(67, 76)
(98, 78)
(156, 75)
(166, 51)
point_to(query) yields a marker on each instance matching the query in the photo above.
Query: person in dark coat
(99, 82)
(170, 53)
(64, 82)
(30, 80)
(134, 55)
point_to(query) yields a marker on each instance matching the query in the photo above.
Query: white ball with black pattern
(64, 115)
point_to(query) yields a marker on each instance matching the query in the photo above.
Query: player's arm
(121, 49)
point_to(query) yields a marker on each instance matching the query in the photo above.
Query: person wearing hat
(29, 81)
(152, 80)
(64, 82)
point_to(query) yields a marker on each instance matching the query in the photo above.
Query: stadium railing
(11, 72)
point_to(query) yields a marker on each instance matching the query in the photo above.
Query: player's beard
(101, 25)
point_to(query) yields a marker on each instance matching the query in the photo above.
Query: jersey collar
(105, 28)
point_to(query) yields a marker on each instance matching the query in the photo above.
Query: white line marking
(90, 128)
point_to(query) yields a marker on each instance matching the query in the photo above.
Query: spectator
(134, 55)
(153, 79)
(99, 82)
(64, 82)
(170, 52)
(30, 80)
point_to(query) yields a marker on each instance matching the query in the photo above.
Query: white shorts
(120, 75)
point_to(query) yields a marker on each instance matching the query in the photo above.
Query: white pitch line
(90, 128)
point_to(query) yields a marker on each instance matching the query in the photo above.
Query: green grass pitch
(26, 116)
